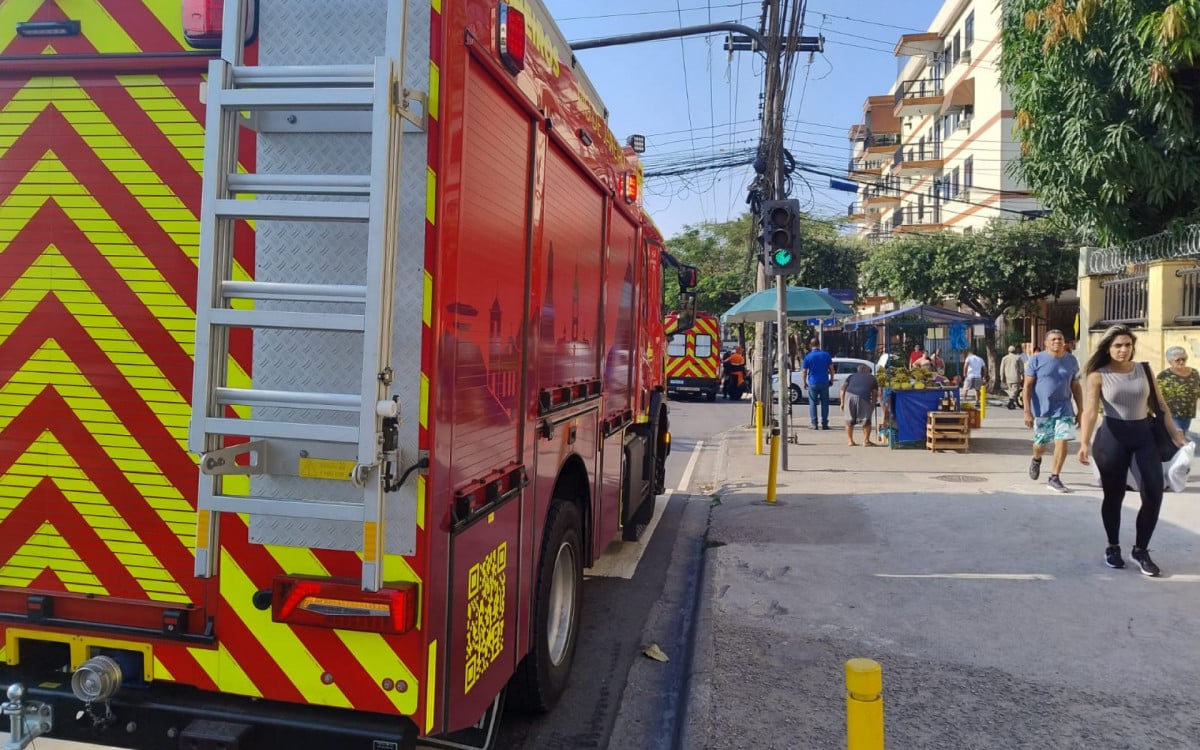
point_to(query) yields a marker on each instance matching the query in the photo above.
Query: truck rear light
(344, 605)
(202, 22)
(511, 44)
(630, 187)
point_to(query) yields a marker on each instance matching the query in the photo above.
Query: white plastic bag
(1175, 471)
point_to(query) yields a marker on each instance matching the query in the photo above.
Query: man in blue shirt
(1051, 385)
(817, 373)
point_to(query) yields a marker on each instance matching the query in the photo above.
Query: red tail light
(630, 187)
(511, 23)
(339, 604)
(202, 22)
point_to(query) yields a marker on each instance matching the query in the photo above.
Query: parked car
(843, 368)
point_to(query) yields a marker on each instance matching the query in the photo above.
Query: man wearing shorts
(1053, 401)
(859, 394)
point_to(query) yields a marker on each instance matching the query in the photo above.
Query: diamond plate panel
(316, 32)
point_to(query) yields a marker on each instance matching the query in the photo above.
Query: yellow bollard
(758, 425)
(771, 472)
(864, 705)
(982, 402)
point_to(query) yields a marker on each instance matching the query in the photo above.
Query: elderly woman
(1180, 386)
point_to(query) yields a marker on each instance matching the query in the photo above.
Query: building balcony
(882, 143)
(865, 166)
(919, 97)
(881, 195)
(918, 160)
(924, 44)
(878, 235)
(855, 213)
(913, 219)
(858, 132)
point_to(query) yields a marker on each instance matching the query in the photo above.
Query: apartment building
(932, 153)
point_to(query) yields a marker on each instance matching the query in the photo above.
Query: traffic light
(781, 236)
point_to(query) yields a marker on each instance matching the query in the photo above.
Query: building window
(957, 46)
(954, 182)
(969, 30)
(968, 172)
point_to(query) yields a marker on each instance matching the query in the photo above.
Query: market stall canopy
(922, 314)
(802, 302)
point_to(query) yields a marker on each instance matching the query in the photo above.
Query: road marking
(687, 473)
(973, 576)
(621, 559)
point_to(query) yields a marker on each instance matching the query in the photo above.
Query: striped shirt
(1124, 395)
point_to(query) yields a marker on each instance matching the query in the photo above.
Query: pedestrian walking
(1012, 377)
(973, 371)
(860, 393)
(1180, 387)
(1123, 387)
(817, 373)
(1053, 401)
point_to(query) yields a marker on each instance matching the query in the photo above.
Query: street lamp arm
(650, 36)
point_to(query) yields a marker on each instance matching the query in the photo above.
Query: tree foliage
(1005, 267)
(1106, 94)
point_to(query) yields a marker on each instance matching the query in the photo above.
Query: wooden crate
(948, 431)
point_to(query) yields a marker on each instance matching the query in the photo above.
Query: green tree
(1003, 268)
(721, 251)
(1107, 94)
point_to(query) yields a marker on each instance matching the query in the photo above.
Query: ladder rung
(299, 184)
(309, 76)
(335, 99)
(344, 293)
(262, 428)
(289, 399)
(266, 506)
(298, 321)
(299, 210)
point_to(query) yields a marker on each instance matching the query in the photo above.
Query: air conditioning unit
(964, 194)
(964, 124)
(965, 56)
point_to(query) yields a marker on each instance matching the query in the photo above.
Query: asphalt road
(617, 696)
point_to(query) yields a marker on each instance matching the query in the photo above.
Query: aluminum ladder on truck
(229, 196)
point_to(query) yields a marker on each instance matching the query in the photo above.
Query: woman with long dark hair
(1115, 380)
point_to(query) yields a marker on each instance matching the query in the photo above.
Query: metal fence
(1161, 246)
(1189, 302)
(1126, 300)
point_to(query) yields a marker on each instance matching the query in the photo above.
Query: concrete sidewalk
(983, 595)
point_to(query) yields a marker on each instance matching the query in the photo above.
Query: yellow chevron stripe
(437, 6)
(161, 672)
(381, 662)
(167, 13)
(104, 33)
(48, 458)
(431, 196)
(13, 12)
(294, 659)
(224, 671)
(434, 96)
(50, 367)
(430, 685)
(47, 549)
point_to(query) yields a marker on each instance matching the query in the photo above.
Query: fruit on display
(914, 379)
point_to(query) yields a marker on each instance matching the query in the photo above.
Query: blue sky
(697, 104)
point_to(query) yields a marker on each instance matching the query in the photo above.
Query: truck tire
(542, 675)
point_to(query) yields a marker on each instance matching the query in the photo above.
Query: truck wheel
(794, 394)
(710, 395)
(542, 675)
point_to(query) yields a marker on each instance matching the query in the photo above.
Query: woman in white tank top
(1113, 378)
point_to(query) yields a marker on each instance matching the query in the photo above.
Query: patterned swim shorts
(1048, 429)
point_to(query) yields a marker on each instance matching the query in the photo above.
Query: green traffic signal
(783, 257)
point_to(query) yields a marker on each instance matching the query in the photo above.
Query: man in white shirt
(973, 371)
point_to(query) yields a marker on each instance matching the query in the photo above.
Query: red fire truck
(694, 357)
(331, 353)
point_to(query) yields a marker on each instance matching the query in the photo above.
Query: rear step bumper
(171, 717)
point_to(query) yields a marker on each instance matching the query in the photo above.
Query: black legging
(1118, 443)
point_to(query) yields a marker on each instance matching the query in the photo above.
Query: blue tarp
(910, 409)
